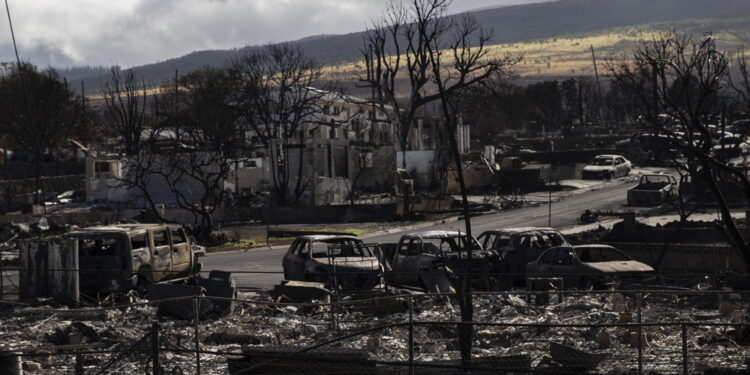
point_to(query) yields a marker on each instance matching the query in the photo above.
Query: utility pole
(549, 202)
(598, 96)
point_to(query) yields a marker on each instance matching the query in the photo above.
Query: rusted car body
(119, 257)
(342, 262)
(517, 247)
(653, 189)
(429, 260)
(588, 266)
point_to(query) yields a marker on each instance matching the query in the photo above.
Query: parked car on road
(653, 189)
(117, 258)
(342, 262)
(588, 266)
(606, 167)
(429, 260)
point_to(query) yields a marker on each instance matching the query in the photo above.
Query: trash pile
(519, 330)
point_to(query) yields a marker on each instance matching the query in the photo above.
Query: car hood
(620, 266)
(597, 168)
(366, 264)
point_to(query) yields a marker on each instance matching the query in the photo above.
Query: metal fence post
(79, 364)
(684, 350)
(2, 277)
(411, 335)
(639, 303)
(155, 347)
(197, 339)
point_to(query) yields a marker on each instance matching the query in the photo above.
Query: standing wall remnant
(49, 268)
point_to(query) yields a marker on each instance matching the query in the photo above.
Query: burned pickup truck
(120, 257)
(653, 189)
(431, 260)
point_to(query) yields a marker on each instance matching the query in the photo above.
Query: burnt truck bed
(653, 189)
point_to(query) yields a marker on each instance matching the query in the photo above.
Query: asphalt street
(261, 268)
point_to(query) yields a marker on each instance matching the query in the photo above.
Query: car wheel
(611, 176)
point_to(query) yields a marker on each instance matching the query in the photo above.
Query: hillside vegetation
(566, 56)
(554, 36)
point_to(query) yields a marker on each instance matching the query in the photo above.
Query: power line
(12, 35)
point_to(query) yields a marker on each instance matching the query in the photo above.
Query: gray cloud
(135, 32)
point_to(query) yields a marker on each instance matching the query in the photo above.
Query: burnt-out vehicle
(653, 189)
(430, 261)
(118, 258)
(589, 266)
(519, 246)
(342, 262)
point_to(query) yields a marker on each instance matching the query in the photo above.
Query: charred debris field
(610, 332)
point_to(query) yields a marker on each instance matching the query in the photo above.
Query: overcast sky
(129, 33)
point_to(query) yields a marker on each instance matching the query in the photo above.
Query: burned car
(606, 167)
(119, 257)
(653, 189)
(518, 246)
(428, 261)
(343, 262)
(588, 266)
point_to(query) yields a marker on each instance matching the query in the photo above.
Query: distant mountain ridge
(511, 24)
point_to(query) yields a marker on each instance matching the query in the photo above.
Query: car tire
(611, 176)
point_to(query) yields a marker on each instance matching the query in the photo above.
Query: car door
(536, 246)
(286, 262)
(407, 260)
(543, 265)
(301, 259)
(180, 251)
(161, 254)
(564, 266)
(394, 276)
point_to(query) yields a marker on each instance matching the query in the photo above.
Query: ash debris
(506, 325)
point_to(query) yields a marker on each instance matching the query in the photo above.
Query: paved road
(564, 213)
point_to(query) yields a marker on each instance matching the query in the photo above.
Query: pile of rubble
(579, 332)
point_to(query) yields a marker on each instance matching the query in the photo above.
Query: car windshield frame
(456, 247)
(340, 248)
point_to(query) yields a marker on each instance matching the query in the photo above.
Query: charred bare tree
(37, 112)
(280, 94)
(690, 81)
(456, 64)
(397, 63)
(201, 142)
(125, 100)
(131, 117)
